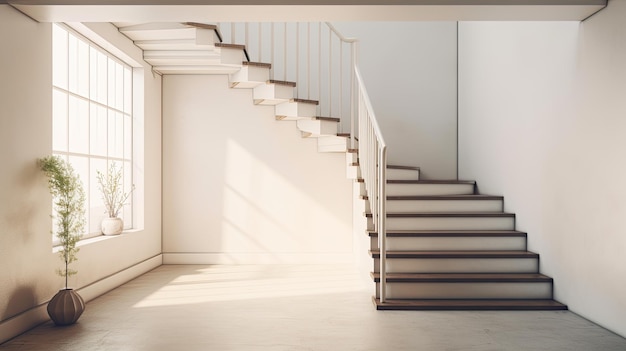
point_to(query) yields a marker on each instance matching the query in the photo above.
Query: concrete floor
(293, 308)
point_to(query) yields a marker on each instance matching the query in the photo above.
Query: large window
(92, 117)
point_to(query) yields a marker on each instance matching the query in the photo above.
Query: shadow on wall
(238, 181)
(22, 299)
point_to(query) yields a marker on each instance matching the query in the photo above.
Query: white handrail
(373, 160)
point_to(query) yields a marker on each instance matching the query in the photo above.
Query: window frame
(114, 113)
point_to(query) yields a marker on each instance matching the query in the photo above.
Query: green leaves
(69, 207)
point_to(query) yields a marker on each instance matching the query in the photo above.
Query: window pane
(83, 69)
(73, 63)
(116, 134)
(101, 86)
(78, 125)
(128, 137)
(128, 184)
(59, 57)
(59, 121)
(119, 87)
(111, 77)
(81, 167)
(97, 209)
(98, 134)
(128, 90)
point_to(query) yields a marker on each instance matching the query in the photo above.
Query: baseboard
(26, 320)
(257, 258)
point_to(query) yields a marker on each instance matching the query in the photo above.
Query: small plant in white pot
(114, 198)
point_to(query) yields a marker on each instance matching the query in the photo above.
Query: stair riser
(351, 157)
(249, 77)
(429, 189)
(452, 243)
(332, 144)
(403, 174)
(317, 128)
(290, 111)
(231, 56)
(353, 172)
(447, 223)
(474, 290)
(460, 265)
(272, 94)
(412, 206)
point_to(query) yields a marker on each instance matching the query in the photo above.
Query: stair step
(429, 187)
(296, 109)
(444, 203)
(448, 221)
(494, 261)
(318, 126)
(456, 254)
(335, 143)
(462, 277)
(468, 305)
(451, 240)
(230, 46)
(273, 92)
(251, 75)
(466, 286)
(397, 172)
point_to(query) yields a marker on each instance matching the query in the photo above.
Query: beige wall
(409, 69)
(543, 122)
(241, 187)
(27, 277)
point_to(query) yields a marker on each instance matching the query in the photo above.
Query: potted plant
(114, 198)
(69, 207)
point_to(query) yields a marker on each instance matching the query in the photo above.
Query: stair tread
(343, 135)
(257, 64)
(441, 197)
(305, 101)
(201, 25)
(456, 254)
(329, 119)
(449, 233)
(446, 214)
(353, 151)
(466, 304)
(282, 82)
(410, 168)
(452, 181)
(462, 277)
(232, 46)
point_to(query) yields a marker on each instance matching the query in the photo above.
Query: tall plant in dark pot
(69, 212)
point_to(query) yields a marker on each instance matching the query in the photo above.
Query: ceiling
(208, 11)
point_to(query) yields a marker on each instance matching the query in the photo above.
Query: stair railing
(373, 162)
(314, 55)
(323, 63)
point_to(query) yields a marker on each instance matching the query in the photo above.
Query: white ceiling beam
(298, 10)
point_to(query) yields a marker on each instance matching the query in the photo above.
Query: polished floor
(293, 308)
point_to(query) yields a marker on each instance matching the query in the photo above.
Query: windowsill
(96, 239)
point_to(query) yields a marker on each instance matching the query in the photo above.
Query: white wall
(543, 122)
(409, 69)
(241, 187)
(28, 278)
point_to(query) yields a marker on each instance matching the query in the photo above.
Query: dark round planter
(66, 307)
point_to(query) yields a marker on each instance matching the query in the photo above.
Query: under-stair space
(447, 247)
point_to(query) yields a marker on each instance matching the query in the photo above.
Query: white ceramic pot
(112, 226)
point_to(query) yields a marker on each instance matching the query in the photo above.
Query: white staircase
(447, 247)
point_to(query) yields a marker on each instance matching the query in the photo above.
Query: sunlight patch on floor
(245, 282)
